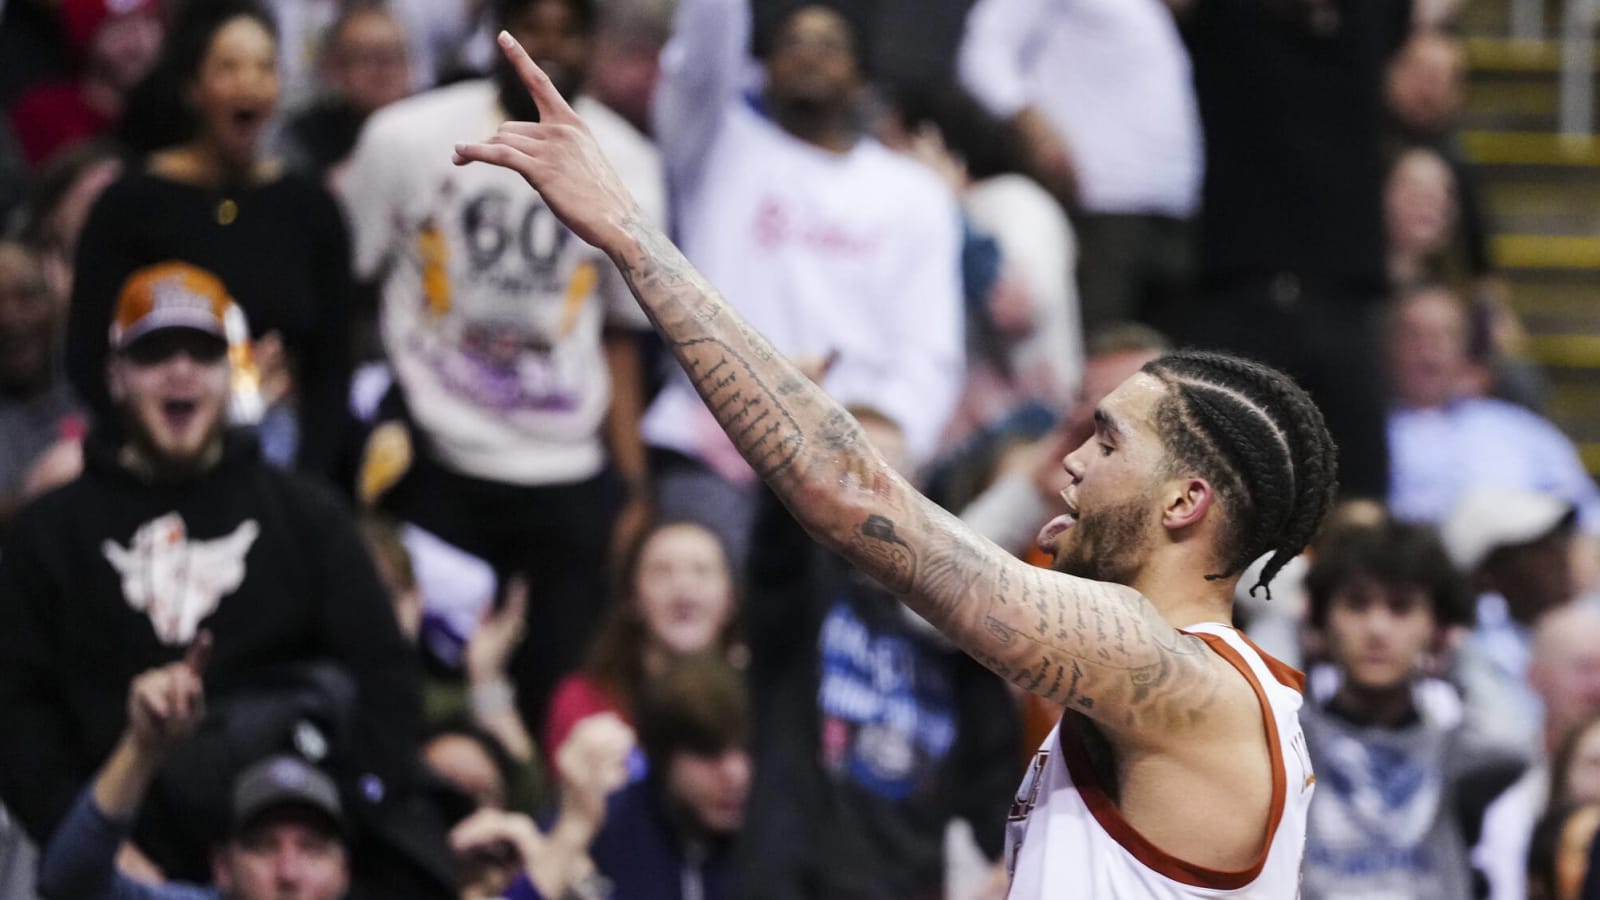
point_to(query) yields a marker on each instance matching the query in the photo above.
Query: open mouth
(178, 413)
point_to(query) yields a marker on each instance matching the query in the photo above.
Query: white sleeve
(1008, 512)
(703, 69)
(921, 382)
(992, 61)
(369, 190)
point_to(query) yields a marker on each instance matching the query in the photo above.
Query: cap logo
(287, 773)
(173, 294)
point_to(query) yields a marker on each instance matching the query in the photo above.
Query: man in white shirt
(1100, 92)
(512, 344)
(831, 244)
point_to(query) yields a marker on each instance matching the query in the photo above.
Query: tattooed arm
(1100, 648)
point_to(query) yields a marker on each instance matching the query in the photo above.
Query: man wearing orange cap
(114, 43)
(177, 523)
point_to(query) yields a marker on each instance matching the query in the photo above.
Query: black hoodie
(278, 556)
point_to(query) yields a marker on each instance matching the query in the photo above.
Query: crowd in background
(359, 538)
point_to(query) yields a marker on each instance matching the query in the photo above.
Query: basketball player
(1179, 768)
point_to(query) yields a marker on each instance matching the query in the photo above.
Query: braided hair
(1257, 437)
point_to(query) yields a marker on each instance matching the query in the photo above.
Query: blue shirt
(80, 862)
(1437, 455)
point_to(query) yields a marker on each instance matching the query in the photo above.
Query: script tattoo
(757, 422)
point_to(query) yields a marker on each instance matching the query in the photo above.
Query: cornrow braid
(1257, 437)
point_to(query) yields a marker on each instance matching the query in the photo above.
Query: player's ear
(1186, 502)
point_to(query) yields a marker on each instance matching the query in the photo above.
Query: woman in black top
(210, 196)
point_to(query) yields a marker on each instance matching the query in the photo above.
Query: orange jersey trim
(1087, 782)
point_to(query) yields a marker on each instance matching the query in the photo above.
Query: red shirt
(54, 115)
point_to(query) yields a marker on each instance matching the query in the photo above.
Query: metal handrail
(1577, 68)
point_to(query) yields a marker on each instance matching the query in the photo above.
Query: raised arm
(165, 706)
(1100, 648)
(703, 67)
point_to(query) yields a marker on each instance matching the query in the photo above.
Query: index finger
(198, 656)
(552, 106)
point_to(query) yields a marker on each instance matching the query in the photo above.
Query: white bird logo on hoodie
(175, 581)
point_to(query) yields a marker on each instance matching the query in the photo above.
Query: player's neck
(1175, 584)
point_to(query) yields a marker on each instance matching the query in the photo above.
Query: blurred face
(1425, 89)
(1566, 674)
(371, 62)
(1534, 577)
(1111, 499)
(556, 40)
(624, 74)
(235, 92)
(1420, 204)
(126, 47)
(711, 787)
(287, 858)
(172, 388)
(462, 762)
(1378, 632)
(683, 589)
(66, 222)
(1428, 349)
(1583, 772)
(812, 65)
(29, 319)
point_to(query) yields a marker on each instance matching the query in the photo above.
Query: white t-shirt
(492, 311)
(856, 253)
(1067, 839)
(1113, 77)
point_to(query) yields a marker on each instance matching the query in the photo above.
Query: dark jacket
(641, 850)
(110, 575)
(870, 734)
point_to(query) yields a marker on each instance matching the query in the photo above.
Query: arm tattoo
(879, 551)
(760, 426)
(1097, 648)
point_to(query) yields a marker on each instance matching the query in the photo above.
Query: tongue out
(1052, 530)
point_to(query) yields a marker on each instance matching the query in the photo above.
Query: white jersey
(1067, 839)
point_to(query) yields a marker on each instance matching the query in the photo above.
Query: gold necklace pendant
(227, 212)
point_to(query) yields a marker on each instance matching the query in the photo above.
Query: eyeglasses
(161, 346)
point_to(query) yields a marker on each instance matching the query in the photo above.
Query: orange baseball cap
(171, 295)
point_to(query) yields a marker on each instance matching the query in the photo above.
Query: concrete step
(1504, 55)
(1566, 302)
(1574, 397)
(1540, 201)
(1531, 148)
(1518, 105)
(1566, 351)
(1547, 251)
